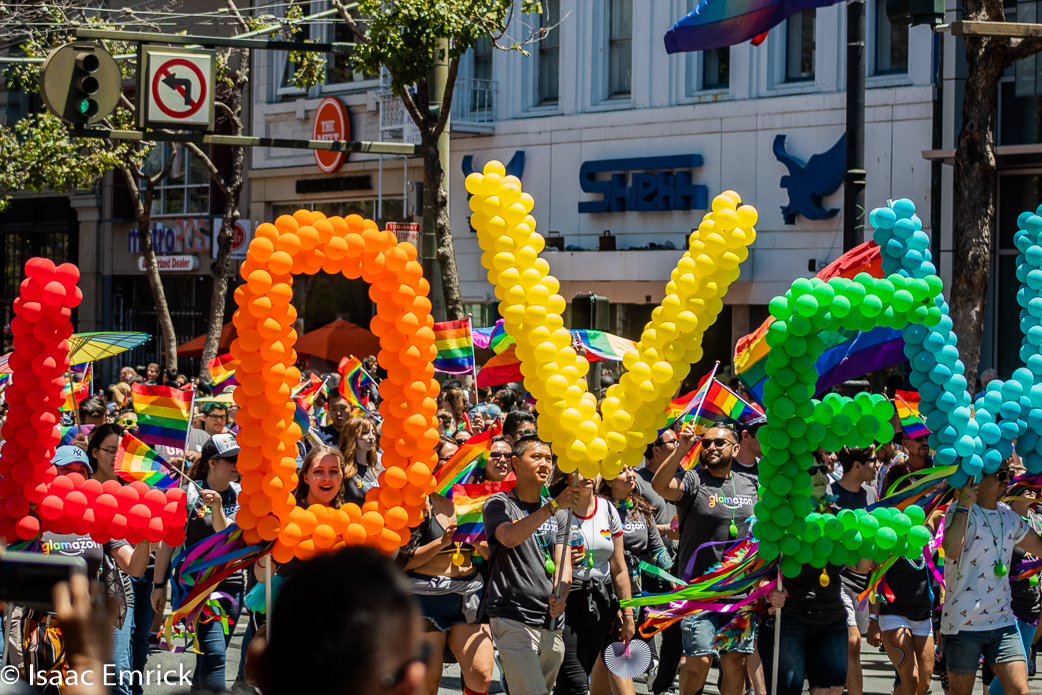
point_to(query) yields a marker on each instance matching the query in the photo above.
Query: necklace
(733, 528)
(549, 565)
(1000, 568)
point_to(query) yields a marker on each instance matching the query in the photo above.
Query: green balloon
(781, 485)
(903, 549)
(796, 428)
(882, 514)
(762, 511)
(798, 526)
(885, 432)
(802, 507)
(815, 432)
(841, 425)
(790, 545)
(919, 536)
(852, 539)
(916, 515)
(768, 550)
(790, 566)
(812, 533)
(779, 308)
(900, 523)
(799, 325)
(886, 538)
(782, 515)
(868, 525)
(840, 306)
(841, 556)
(805, 553)
(848, 518)
(822, 547)
(834, 529)
(880, 554)
(819, 562)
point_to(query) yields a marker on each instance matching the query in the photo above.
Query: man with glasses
(215, 416)
(714, 503)
(918, 452)
(977, 619)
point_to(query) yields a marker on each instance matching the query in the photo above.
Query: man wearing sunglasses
(918, 451)
(714, 503)
(977, 619)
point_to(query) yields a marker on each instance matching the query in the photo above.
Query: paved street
(879, 675)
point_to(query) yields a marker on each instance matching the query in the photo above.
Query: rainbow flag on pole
(164, 414)
(135, 460)
(455, 346)
(352, 378)
(907, 405)
(77, 393)
(470, 457)
(720, 405)
(222, 372)
(468, 500)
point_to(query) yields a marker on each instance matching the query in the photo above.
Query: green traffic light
(84, 106)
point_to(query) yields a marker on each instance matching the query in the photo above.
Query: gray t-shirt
(518, 586)
(664, 509)
(196, 439)
(706, 509)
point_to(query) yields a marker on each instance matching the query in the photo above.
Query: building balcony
(473, 110)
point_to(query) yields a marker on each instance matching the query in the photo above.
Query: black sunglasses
(819, 468)
(1002, 476)
(718, 443)
(395, 677)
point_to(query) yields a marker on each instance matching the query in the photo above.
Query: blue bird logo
(808, 182)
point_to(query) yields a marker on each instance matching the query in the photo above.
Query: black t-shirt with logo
(706, 509)
(518, 586)
(75, 545)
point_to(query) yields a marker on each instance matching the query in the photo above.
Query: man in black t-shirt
(527, 538)
(714, 503)
(855, 490)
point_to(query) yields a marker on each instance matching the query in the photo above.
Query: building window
(186, 189)
(549, 48)
(799, 47)
(891, 43)
(620, 48)
(716, 68)
(340, 68)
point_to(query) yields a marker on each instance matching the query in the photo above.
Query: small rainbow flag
(352, 379)
(720, 405)
(163, 414)
(77, 393)
(468, 500)
(907, 404)
(470, 457)
(300, 416)
(135, 460)
(495, 337)
(222, 372)
(309, 391)
(455, 347)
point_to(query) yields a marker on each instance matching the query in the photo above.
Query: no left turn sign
(180, 88)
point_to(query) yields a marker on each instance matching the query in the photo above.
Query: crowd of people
(540, 595)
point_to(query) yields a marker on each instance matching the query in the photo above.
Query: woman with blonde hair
(362, 462)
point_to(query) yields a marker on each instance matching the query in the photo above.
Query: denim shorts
(700, 629)
(963, 650)
(444, 610)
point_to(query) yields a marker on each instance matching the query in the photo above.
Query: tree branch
(1022, 48)
(162, 173)
(446, 100)
(231, 114)
(410, 106)
(235, 12)
(210, 167)
(345, 15)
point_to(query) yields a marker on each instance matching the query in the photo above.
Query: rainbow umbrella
(91, 347)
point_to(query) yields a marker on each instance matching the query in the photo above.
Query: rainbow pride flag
(301, 417)
(164, 414)
(468, 459)
(720, 405)
(352, 379)
(468, 500)
(77, 393)
(720, 23)
(222, 372)
(848, 353)
(307, 392)
(135, 460)
(495, 337)
(455, 346)
(907, 406)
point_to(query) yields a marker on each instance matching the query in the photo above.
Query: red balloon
(19, 414)
(36, 493)
(8, 488)
(61, 486)
(51, 507)
(65, 524)
(67, 274)
(111, 487)
(117, 526)
(75, 503)
(175, 536)
(39, 267)
(9, 531)
(20, 326)
(53, 293)
(89, 521)
(77, 480)
(156, 500)
(37, 400)
(91, 488)
(22, 472)
(139, 516)
(25, 380)
(135, 535)
(155, 531)
(44, 420)
(28, 527)
(106, 506)
(176, 494)
(140, 486)
(127, 498)
(101, 535)
(45, 331)
(13, 394)
(16, 506)
(28, 345)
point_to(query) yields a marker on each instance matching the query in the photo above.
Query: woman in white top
(600, 580)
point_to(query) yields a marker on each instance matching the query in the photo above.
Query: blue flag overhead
(719, 23)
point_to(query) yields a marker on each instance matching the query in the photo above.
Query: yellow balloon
(494, 166)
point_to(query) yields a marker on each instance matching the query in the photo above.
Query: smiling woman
(321, 478)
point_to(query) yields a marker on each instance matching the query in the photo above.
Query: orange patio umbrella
(194, 347)
(337, 340)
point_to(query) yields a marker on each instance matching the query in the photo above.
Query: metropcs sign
(332, 123)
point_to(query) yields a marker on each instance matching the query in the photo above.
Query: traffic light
(904, 12)
(80, 83)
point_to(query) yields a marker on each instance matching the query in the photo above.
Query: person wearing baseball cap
(211, 509)
(72, 459)
(749, 453)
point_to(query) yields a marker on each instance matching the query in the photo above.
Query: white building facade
(620, 140)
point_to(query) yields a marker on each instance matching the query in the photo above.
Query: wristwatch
(158, 585)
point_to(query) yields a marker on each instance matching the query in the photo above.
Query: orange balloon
(259, 281)
(305, 550)
(259, 505)
(355, 534)
(250, 340)
(324, 536)
(286, 224)
(390, 497)
(325, 230)
(373, 522)
(389, 540)
(282, 554)
(266, 230)
(260, 249)
(396, 518)
(303, 216)
(251, 536)
(412, 496)
(308, 237)
(394, 478)
(268, 528)
(418, 474)
(280, 262)
(249, 520)
(290, 534)
(353, 511)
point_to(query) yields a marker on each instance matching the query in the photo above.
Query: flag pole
(72, 394)
(473, 357)
(712, 376)
(898, 397)
(777, 636)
